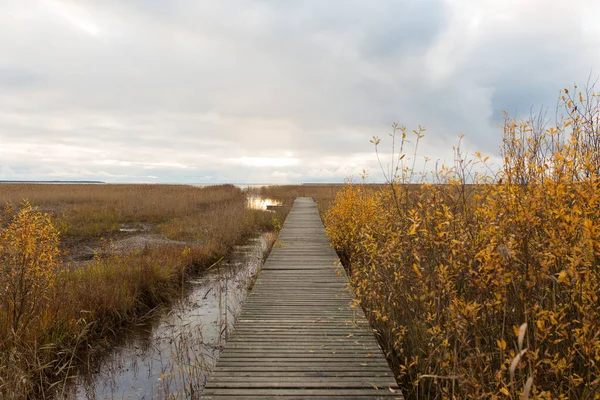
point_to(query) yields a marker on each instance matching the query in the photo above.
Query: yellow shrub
(28, 262)
(488, 289)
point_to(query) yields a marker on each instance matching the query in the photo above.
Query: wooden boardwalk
(297, 335)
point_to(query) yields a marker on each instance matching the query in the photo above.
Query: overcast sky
(271, 91)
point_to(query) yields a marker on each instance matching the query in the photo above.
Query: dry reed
(86, 304)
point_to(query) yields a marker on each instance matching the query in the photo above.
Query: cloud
(264, 161)
(270, 91)
(17, 78)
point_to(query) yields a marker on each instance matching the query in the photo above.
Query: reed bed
(93, 210)
(53, 311)
(136, 201)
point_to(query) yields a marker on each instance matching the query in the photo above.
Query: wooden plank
(370, 369)
(299, 334)
(304, 350)
(300, 374)
(293, 397)
(374, 392)
(335, 383)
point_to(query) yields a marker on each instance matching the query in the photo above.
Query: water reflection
(170, 354)
(261, 203)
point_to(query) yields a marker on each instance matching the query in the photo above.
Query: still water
(171, 353)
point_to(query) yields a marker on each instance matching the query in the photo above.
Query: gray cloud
(270, 91)
(17, 78)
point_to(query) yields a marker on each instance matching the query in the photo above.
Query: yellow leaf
(562, 276)
(417, 271)
(540, 324)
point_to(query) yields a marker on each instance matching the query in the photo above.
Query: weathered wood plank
(374, 392)
(303, 368)
(336, 383)
(300, 374)
(302, 397)
(299, 334)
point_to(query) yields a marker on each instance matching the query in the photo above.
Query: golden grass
(87, 304)
(137, 201)
(97, 209)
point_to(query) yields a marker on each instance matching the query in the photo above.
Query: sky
(272, 91)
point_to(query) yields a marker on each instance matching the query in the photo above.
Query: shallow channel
(171, 354)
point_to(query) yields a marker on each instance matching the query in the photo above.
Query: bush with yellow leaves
(28, 263)
(486, 285)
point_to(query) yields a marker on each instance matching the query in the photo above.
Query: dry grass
(486, 291)
(136, 201)
(87, 303)
(93, 210)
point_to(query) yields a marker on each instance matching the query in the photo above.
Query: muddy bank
(134, 236)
